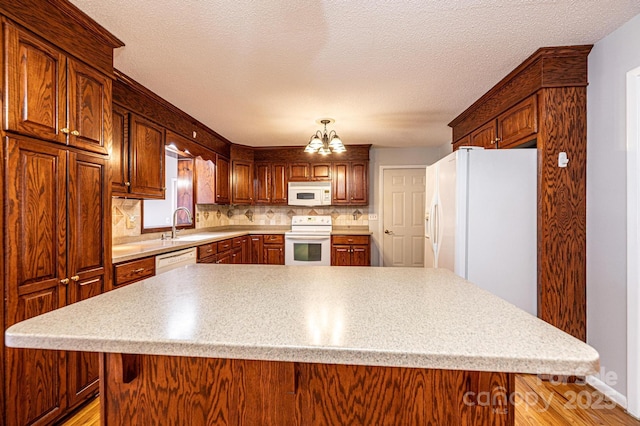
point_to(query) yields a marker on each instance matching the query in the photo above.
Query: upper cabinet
(242, 182)
(138, 156)
(53, 97)
(350, 183)
(270, 183)
(222, 180)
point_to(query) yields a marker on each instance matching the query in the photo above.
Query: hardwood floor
(537, 403)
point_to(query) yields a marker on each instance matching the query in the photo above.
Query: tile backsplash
(127, 221)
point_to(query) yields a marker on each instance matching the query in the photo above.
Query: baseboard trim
(608, 391)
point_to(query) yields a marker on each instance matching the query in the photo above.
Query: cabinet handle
(127, 184)
(75, 133)
(64, 281)
(65, 130)
(139, 270)
(209, 251)
(75, 278)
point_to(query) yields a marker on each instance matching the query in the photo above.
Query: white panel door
(403, 217)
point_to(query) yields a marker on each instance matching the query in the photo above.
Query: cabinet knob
(65, 130)
(64, 281)
(75, 278)
(75, 133)
(127, 184)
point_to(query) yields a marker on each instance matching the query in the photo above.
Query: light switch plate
(373, 216)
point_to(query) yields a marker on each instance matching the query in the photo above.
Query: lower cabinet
(130, 272)
(273, 249)
(350, 250)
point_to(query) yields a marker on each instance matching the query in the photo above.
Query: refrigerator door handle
(433, 230)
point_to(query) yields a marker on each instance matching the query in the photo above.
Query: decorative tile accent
(249, 215)
(206, 215)
(357, 214)
(335, 214)
(218, 214)
(291, 213)
(117, 215)
(270, 214)
(312, 212)
(230, 213)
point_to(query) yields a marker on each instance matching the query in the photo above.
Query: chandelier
(325, 143)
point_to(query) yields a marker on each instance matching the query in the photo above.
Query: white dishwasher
(175, 259)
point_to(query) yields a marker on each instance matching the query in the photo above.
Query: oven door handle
(305, 238)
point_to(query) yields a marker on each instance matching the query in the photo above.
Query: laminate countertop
(402, 317)
(139, 249)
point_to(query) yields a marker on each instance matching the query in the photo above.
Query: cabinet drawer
(136, 270)
(237, 242)
(224, 245)
(350, 239)
(207, 250)
(272, 239)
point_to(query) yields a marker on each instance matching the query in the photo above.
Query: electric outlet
(373, 216)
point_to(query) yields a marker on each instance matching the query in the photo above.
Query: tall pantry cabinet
(56, 229)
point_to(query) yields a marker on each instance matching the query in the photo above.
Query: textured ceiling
(391, 73)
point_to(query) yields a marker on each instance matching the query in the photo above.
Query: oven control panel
(311, 220)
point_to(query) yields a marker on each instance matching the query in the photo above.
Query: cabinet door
(222, 180)
(89, 94)
(246, 250)
(279, 183)
(298, 172)
(466, 141)
(273, 254)
(485, 136)
(88, 214)
(36, 86)
(262, 189)
(224, 257)
(236, 256)
(321, 171)
(340, 189)
(257, 254)
(146, 160)
(359, 183)
(340, 255)
(36, 258)
(360, 255)
(518, 124)
(205, 181)
(119, 161)
(242, 184)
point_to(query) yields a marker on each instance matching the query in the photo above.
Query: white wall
(609, 61)
(394, 157)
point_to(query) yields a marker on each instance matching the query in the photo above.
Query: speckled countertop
(144, 248)
(405, 317)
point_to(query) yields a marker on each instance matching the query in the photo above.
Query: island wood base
(151, 389)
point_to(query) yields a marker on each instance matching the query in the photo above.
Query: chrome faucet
(175, 219)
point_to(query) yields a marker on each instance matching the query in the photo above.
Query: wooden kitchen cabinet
(299, 172)
(518, 124)
(133, 271)
(60, 222)
(222, 180)
(54, 97)
(350, 183)
(242, 182)
(271, 183)
(207, 253)
(137, 157)
(320, 171)
(262, 183)
(246, 250)
(350, 250)
(257, 249)
(485, 136)
(273, 249)
(205, 181)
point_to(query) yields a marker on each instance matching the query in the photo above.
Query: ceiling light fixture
(325, 143)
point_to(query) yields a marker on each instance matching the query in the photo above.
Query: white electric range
(309, 241)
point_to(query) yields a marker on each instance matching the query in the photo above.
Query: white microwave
(309, 193)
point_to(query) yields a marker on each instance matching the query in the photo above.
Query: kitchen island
(259, 344)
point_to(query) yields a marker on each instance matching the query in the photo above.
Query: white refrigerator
(480, 220)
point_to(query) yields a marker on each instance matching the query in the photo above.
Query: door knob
(386, 231)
